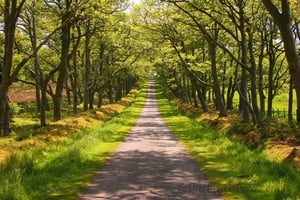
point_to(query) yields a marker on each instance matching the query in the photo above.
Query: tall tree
(64, 57)
(12, 11)
(67, 10)
(282, 16)
(29, 26)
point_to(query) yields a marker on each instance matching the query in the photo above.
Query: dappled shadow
(150, 175)
(150, 164)
(241, 173)
(59, 169)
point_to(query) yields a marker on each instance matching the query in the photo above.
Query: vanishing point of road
(150, 164)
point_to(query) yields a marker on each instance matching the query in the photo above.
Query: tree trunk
(44, 103)
(68, 92)
(40, 85)
(87, 68)
(7, 128)
(80, 96)
(214, 71)
(270, 87)
(91, 99)
(230, 94)
(75, 84)
(200, 96)
(253, 72)
(244, 77)
(224, 82)
(37, 70)
(101, 66)
(290, 107)
(100, 98)
(74, 68)
(261, 93)
(243, 96)
(187, 91)
(11, 14)
(194, 95)
(64, 60)
(118, 89)
(110, 93)
(5, 118)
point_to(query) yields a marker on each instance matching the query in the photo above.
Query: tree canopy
(205, 52)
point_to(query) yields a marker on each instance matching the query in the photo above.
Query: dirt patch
(21, 93)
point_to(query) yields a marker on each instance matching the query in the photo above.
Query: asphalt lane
(150, 164)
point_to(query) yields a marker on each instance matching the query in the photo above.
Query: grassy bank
(61, 169)
(236, 171)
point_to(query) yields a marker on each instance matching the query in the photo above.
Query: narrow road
(150, 164)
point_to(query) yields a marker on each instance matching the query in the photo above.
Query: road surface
(150, 164)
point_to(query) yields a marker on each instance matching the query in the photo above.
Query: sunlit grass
(61, 169)
(235, 170)
(28, 134)
(280, 104)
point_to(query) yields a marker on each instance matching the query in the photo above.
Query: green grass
(235, 170)
(280, 103)
(63, 169)
(28, 134)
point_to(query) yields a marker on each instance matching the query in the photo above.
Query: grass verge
(28, 134)
(61, 170)
(235, 170)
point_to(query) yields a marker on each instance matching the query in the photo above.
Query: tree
(282, 16)
(29, 27)
(67, 12)
(12, 11)
(237, 24)
(111, 56)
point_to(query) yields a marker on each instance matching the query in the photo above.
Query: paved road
(150, 164)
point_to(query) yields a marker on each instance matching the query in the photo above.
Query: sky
(136, 1)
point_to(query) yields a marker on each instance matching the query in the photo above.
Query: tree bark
(101, 66)
(230, 94)
(202, 99)
(245, 75)
(216, 85)
(91, 99)
(100, 98)
(253, 73)
(110, 93)
(261, 93)
(11, 14)
(37, 68)
(75, 83)
(64, 61)
(87, 68)
(194, 95)
(290, 107)
(68, 91)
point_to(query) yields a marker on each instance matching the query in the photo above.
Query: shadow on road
(150, 164)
